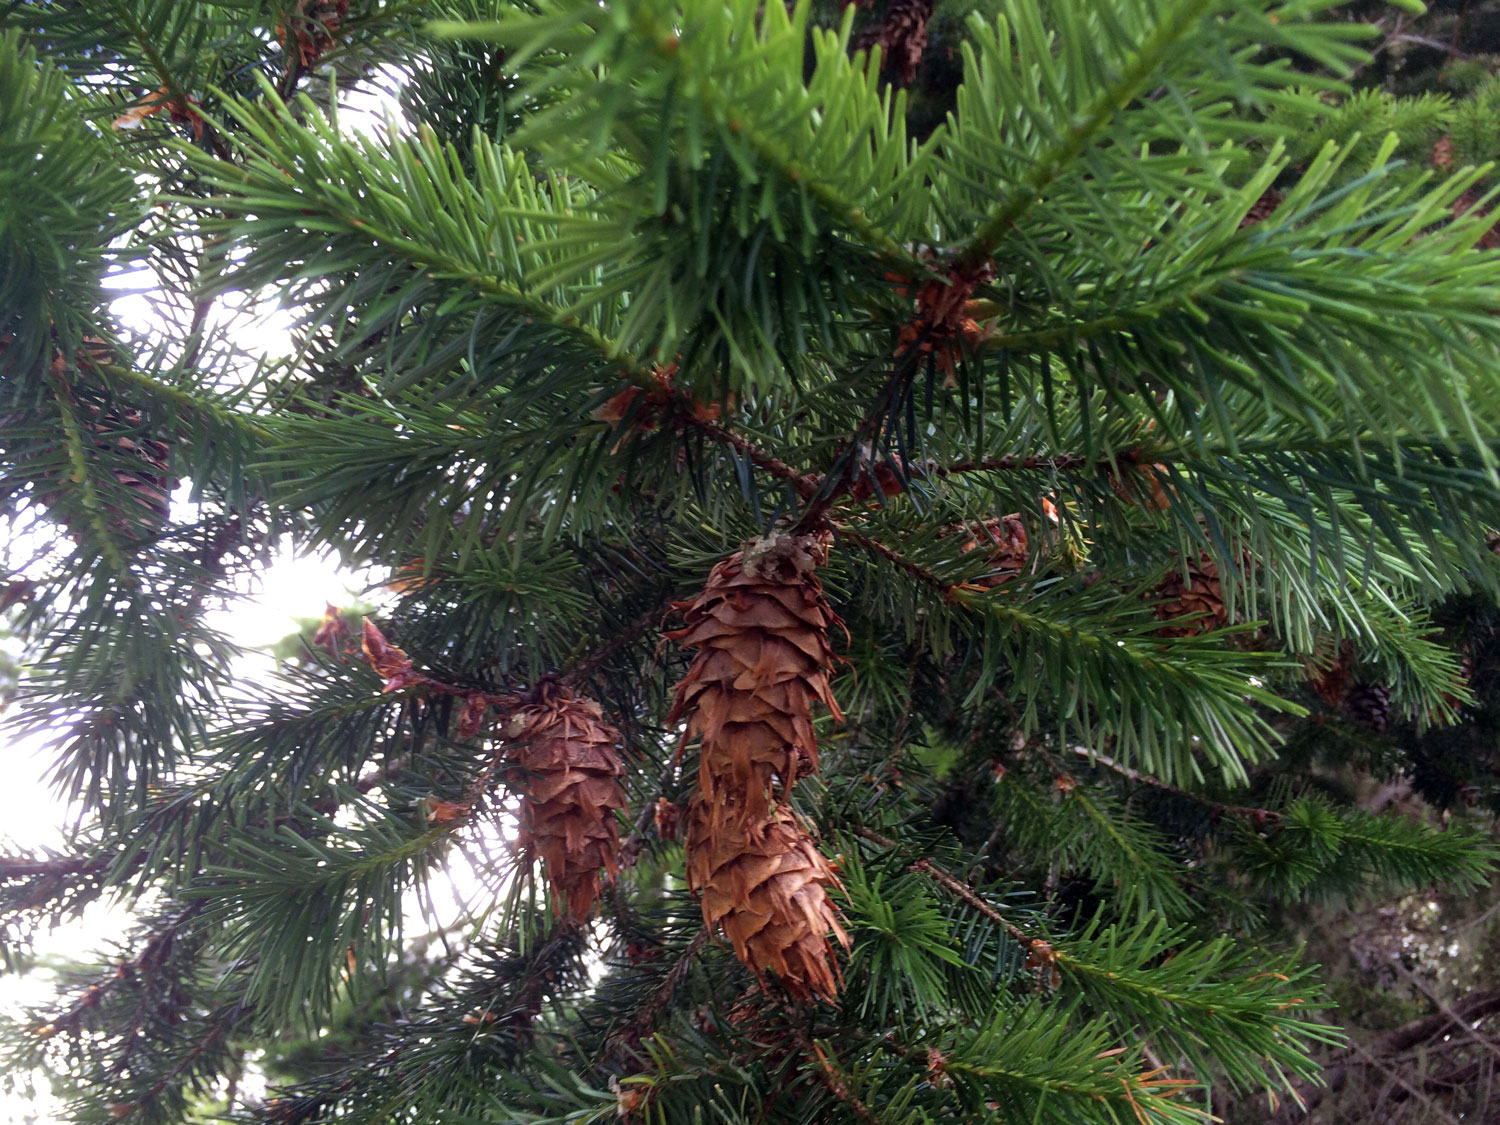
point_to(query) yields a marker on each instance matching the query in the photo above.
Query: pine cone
(1332, 682)
(1140, 483)
(568, 815)
(761, 628)
(903, 37)
(1005, 541)
(314, 23)
(1198, 594)
(1465, 203)
(1369, 705)
(766, 888)
(1263, 208)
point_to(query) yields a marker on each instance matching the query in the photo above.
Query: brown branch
(586, 664)
(1219, 808)
(1309, 1094)
(631, 849)
(953, 885)
(1062, 462)
(1390, 1071)
(62, 866)
(645, 1016)
(828, 1074)
(806, 485)
(874, 546)
(1444, 1008)
(150, 956)
(187, 1060)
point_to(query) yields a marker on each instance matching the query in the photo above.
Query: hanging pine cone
(1263, 208)
(1370, 706)
(1140, 482)
(765, 887)
(314, 23)
(568, 815)
(1005, 542)
(901, 36)
(761, 627)
(1198, 593)
(1332, 675)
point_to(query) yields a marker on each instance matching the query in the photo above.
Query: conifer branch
(806, 486)
(874, 546)
(151, 953)
(1106, 103)
(1061, 462)
(823, 1064)
(175, 92)
(83, 478)
(643, 1019)
(953, 885)
(62, 866)
(1218, 808)
(600, 655)
(772, 151)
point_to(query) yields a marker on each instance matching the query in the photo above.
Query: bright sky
(32, 816)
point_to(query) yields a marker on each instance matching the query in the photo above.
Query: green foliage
(1141, 371)
(62, 194)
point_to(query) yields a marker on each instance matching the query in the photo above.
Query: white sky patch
(33, 816)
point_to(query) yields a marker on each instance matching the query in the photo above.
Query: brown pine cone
(1263, 208)
(573, 790)
(765, 887)
(1198, 594)
(1005, 541)
(903, 37)
(1370, 706)
(1332, 682)
(761, 627)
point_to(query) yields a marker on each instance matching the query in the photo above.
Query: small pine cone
(1332, 682)
(568, 815)
(1140, 483)
(1464, 204)
(1369, 705)
(1263, 208)
(315, 22)
(903, 37)
(765, 888)
(761, 629)
(1442, 154)
(1005, 541)
(1198, 594)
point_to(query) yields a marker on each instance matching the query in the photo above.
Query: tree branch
(954, 886)
(805, 485)
(1060, 462)
(1219, 808)
(645, 1016)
